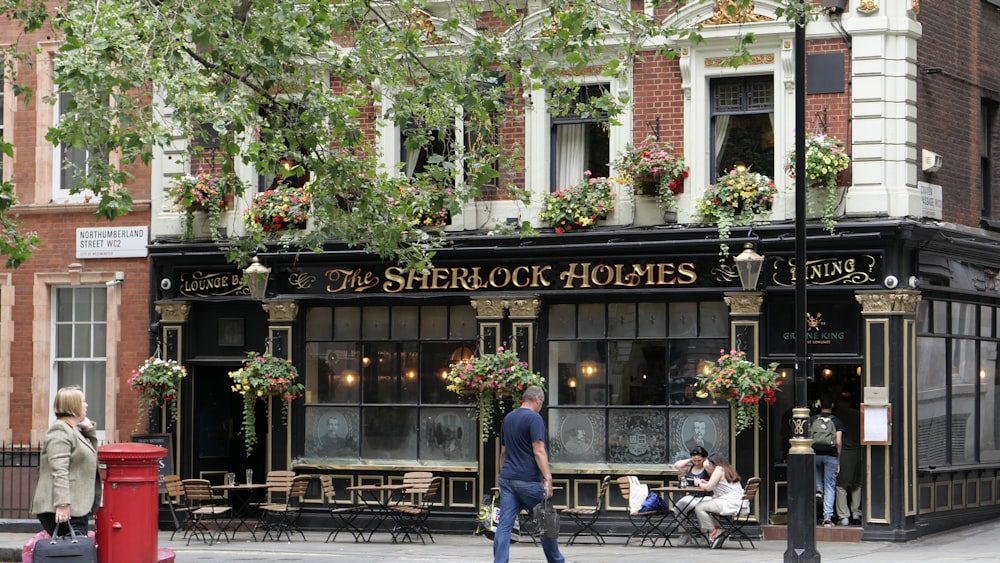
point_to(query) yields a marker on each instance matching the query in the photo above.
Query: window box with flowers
(490, 378)
(158, 382)
(652, 170)
(579, 206)
(735, 200)
(743, 383)
(261, 377)
(826, 158)
(279, 208)
(209, 193)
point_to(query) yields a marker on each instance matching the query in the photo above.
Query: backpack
(824, 433)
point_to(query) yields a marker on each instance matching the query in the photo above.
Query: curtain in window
(570, 153)
(721, 133)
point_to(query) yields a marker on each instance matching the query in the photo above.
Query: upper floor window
(580, 141)
(72, 164)
(987, 121)
(79, 351)
(743, 124)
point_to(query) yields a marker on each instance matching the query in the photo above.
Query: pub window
(580, 141)
(622, 381)
(742, 124)
(376, 387)
(956, 385)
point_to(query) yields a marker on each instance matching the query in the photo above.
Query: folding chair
(732, 524)
(203, 508)
(586, 516)
(343, 516)
(180, 512)
(412, 517)
(282, 518)
(644, 523)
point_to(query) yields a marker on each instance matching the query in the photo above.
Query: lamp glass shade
(749, 265)
(255, 277)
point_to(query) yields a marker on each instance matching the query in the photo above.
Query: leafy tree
(303, 81)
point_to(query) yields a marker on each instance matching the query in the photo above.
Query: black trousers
(80, 524)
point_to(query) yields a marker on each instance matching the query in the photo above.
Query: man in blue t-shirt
(525, 477)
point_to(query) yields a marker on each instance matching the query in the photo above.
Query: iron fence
(18, 477)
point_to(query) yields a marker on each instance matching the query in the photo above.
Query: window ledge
(71, 207)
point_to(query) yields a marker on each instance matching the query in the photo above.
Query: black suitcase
(65, 549)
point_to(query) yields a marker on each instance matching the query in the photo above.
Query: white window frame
(56, 360)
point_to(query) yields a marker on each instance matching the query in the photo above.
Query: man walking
(525, 477)
(827, 436)
(851, 458)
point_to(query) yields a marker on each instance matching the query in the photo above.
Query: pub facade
(620, 318)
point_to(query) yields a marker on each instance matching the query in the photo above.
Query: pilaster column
(281, 315)
(524, 320)
(890, 344)
(489, 314)
(744, 334)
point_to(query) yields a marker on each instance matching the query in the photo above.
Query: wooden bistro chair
(343, 516)
(282, 518)
(204, 508)
(645, 524)
(180, 512)
(732, 524)
(586, 516)
(411, 517)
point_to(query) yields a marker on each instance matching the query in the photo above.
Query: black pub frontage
(902, 315)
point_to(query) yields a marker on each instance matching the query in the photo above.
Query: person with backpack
(827, 436)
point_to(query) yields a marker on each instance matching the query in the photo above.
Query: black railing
(18, 476)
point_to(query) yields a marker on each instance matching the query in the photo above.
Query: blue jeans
(826, 480)
(515, 495)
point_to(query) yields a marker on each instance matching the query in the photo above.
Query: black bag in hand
(546, 520)
(65, 549)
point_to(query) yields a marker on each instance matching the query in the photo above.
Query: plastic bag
(654, 503)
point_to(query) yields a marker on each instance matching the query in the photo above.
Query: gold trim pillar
(744, 334)
(890, 353)
(281, 315)
(173, 316)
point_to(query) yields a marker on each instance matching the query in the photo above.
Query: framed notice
(167, 462)
(876, 424)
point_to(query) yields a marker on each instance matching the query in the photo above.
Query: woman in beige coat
(69, 486)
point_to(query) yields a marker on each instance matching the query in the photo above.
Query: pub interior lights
(255, 277)
(588, 369)
(748, 266)
(571, 383)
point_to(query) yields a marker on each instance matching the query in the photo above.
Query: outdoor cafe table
(378, 503)
(241, 497)
(685, 520)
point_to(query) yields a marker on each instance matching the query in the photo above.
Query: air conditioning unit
(930, 161)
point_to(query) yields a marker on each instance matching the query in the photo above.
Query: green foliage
(263, 376)
(157, 382)
(826, 158)
(579, 206)
(260, 73)
(736, 199)
(743, 383)
(205, 192)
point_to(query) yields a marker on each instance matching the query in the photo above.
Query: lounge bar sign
(838, 270)
(200, 283)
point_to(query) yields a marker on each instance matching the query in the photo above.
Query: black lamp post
(801, 459)
(255, 277)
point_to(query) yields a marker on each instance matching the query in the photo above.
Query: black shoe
(717, 542)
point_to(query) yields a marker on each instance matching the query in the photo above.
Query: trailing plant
(741, 382)
(205, 192)
(651, 168)
(579, 206)
(261, 377)
(734, 200)
(826, 158)
(490, 378)
(157, 382)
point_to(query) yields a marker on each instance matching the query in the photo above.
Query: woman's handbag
(65, 549)
(546, 520)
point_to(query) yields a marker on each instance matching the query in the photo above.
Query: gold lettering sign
(853, 270)
(199, 284)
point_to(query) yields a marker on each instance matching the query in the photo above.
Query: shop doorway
(217, 444)
(834, 377)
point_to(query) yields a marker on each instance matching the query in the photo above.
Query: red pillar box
(128, 518)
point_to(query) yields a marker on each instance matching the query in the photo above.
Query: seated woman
(727, 497)
(692, 468)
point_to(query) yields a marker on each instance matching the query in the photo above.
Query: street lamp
(255, 277)
(748, 266)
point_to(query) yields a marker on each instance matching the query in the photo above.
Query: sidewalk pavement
(964, 545)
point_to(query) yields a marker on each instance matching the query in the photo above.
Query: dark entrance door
(217, 429)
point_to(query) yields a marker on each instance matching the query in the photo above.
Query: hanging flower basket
(261, 377)
(741, 382)
(826, 158)
(489, 379)
(653, 170)
(277, 209)
(157, 382)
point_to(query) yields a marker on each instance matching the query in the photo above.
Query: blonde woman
(69, 486)
(727, 497)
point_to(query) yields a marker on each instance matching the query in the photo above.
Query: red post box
(128, 518)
